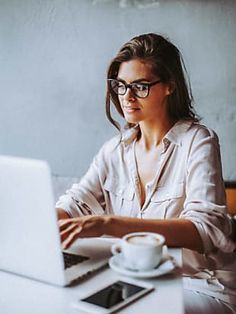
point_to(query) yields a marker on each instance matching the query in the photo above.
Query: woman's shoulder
(201, 131)
(111, 144)
(120, 141)
(185, 132)
(117, 146)
(198, 131)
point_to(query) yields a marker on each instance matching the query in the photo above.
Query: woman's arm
(205, 196)
(178, 232)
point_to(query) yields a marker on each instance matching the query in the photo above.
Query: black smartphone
(113, 297)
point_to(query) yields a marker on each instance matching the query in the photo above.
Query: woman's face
(150, 109)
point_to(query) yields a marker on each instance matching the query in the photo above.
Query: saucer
(116, 263)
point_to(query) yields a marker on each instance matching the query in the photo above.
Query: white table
(19, 295)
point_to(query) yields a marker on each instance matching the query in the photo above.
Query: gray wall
(53, 60)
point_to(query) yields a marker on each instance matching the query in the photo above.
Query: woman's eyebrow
(139, 80)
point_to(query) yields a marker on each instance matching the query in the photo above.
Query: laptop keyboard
(73, 259)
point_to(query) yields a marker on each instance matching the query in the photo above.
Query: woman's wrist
(116, 226)
(109, 225)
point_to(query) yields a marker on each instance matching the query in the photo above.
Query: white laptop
(29, 236)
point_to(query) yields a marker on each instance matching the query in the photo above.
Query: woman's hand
(87, 226)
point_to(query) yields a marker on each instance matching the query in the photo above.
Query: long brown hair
(167, 63)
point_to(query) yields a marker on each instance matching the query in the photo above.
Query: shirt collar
(174, 135)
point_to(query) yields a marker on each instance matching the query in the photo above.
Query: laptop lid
(30, 243)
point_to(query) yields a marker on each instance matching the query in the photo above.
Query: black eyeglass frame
(148, 84)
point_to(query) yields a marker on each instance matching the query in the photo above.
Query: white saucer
(116, 263)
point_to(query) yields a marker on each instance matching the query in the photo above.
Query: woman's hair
(167, 64)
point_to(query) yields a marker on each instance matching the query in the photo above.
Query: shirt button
(166, 141)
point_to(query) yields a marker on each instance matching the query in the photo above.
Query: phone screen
(113, 294)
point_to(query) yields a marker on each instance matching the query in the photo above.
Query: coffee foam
(143, 240)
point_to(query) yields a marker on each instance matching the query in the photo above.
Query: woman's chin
(131, 119)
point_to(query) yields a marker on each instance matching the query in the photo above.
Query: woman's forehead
(135, 69)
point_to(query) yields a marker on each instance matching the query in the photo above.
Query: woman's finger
(64, 223)
(65, 233)
(72, 229)
(72, 237)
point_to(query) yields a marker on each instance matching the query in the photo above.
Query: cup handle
(116, 249)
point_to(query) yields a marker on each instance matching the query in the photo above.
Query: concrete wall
(53, 60)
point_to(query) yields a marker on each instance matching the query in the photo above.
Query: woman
(161, 174)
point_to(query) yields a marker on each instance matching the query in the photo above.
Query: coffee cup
(140, 250)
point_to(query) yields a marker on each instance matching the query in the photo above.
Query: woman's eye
(121, 87)
(140, 87)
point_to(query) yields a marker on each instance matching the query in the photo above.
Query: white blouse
(188, 184)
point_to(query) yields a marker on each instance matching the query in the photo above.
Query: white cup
(140, 250)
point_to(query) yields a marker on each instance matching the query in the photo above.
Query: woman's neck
(152, 135)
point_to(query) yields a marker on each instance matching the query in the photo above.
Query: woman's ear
(170, 88)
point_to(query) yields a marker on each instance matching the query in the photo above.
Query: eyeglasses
(140, 90)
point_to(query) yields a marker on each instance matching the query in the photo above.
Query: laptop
(29, 236)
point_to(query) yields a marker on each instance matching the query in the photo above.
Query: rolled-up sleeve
(86, 197)
(205, 202)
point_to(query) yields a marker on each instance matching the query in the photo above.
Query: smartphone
(113, 297)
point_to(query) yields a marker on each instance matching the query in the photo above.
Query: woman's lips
(129, 109)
